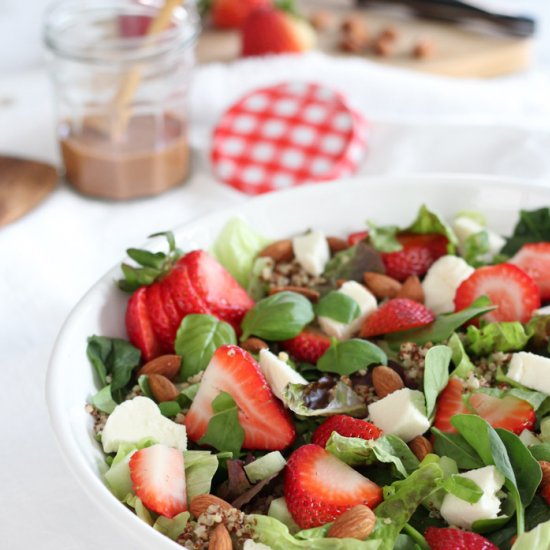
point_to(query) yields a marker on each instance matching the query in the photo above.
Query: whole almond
(380, 285)
(309, 293)
(201, 503)
(162, 389)
(167, 365)
(357, 523)
(424, 49)
(412, 289)
(545, 467)
(254, 345)
(321, 20)
(421, 447)
(336, 244)
(383, 47)
(220, 539)
(279, 251)
(386, 381)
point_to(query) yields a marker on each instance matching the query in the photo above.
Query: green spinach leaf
(463, 364)
(456, 447)
(533, 226)
(436, 375)
(339, 307)
(350, 356)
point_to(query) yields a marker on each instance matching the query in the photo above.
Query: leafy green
(103, 400)
(456, 447)
(224, 431)
(350, 264)
(430, 222)
(476, 247)
(505, 337)
(349, 356)
(257, 287)
(169, 408)
(198, 337)
(278, 510)
(141, 512)
(534, 398)
(461, 361)
(538, 328)
(344, 401)
(541, 451)
(172, 528)
(384, 238)
(533, 226)
(474, 215)
(539, 537)
(265, 466)
(339, 307)
(388, 449)
(436, 375)
(200, 467)
(236, 248)
(116, 358)
(278, 317)
(443, 326)
(463, 488)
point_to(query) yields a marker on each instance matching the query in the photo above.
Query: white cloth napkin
(48, 259)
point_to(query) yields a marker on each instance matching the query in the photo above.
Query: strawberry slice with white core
(158, 479)
(449, 403)
(139, 327)
(266, 424)
(534, 259)
(508, 287)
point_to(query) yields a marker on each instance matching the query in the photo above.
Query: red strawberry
(507, 286)
(510, 413)
(163, 327)
(319, 487)
(267, 425)
(184, 296)
(419, 252)
(446, 538)
(396, 315)
(545, 492)
(170, 308)
(354, 238)
(231, 14)
(308, 346)
(534, 259)
(158, 479)
(139, 327)
(270, 31)
(346, 426)
(450, 403)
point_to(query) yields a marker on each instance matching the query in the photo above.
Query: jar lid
(288, 135)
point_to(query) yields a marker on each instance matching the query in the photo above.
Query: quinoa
(289, 274)
(99, 417)
(412, 358)
(487, 367)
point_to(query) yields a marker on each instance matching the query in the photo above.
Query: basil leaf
(456, 447)
(198, 337)
(505, 337)
(430, 222)
(349, 356)
(463, 488)
(339, 307)
(532, 227)
(278, 317)
(461, 361)
(436, 375)
(476, 248)
(350, 264)
(444, 325)
(384, 238)
(541, 451)
(224, 431)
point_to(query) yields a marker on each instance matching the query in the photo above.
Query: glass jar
(121, 94)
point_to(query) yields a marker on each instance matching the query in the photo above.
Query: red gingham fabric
(287, 135)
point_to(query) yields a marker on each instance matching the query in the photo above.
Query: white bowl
(337, 208)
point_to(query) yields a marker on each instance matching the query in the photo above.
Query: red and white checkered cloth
(287, 135)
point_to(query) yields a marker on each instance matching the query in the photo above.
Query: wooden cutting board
(459, 52)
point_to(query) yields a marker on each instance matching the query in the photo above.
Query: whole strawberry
(455, 539)
(231, 14)
(346, 426)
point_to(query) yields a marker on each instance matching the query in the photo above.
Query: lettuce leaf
(172, 528)
(505, 337)
(539, 537)
(200, 467)
(237, 247)
(139, 508)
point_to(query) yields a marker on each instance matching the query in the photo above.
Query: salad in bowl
(384, 388)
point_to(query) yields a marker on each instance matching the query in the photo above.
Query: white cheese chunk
(465, 227)
(311, 251)
(278, 373)
(367, 304)
(402, 413)
(441, 282)
(460, 513)
(545, 310)
(250, 544)
(528, 438)
(139, 419)
(531, 371)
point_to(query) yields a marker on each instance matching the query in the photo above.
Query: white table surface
(49, 258)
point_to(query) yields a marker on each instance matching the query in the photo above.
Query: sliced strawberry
(184, 295)
(308, 346)
(396, 315)
(162, 325)
(507, 286)
(158, 479)
(346, 426)
(170, 309)
(358, 236)
(219, 291)
(449, 403)
(231, 14)
(319, 487)
(509, 412)
(446, 538)
(534, 259)
(545, 492)
(139, 327)
(271, 31)
(267, 425)
(419, 252)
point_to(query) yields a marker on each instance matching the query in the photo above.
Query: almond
(308, 293)
(357, 523)
(380, 285)
(167, 365)
(545, 467)
(386, 381)
(412, 289)
(254, 345)
(321, 20)
(424, 49)
(162, 389)
(279, 251)
(421, 447)
(336, 244)
(340, 282)
(201, 503)
(220, 539)
(383, 47)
